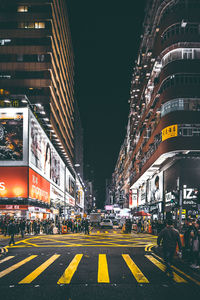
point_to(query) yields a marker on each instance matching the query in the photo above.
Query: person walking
(139, 226)
(86, 226)
(169, 237)
(11, 232)
(22, 226)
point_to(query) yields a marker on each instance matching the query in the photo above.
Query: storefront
(182, 175)
(34, 181)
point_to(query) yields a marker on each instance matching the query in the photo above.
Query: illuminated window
(39, 25)
(4, 42)
(26, 25)
(22, 8)
(36, 25)
(5, 76)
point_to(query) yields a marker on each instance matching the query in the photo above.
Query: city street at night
(99, 150)
(103, 265)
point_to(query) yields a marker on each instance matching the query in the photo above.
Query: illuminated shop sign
(44, 159)
(133, 198)
(39, 188)
(130, 199)
(142, 195)
(13, 182)
(70, 183)
(71, 201)
(169, 132)
(14, 207)
(188, 197)
(108, 207)
(56, 196)
(79, 194)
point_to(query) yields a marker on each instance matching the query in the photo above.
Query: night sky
(106, 38)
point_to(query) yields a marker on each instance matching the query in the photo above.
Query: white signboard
(155, 188)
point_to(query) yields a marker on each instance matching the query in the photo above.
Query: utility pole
(180, 191)
(180, 208)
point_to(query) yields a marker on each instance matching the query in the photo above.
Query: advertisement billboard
(39, 187)
(155, 188)
(79, 194)
(142, 195)
(13, 182)
(70, 183)
(43, 157)
(56, 197)
(13, 136)
(132, 198)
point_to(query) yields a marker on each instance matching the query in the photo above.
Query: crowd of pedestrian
(23, 226)
(189, 230)
(11, 227)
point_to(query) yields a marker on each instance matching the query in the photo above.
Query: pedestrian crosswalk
(69, 268)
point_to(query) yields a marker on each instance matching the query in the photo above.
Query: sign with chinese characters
(169, 132)
(39, 188)
(20, 207)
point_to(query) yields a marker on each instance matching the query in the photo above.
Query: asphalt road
(104, 265)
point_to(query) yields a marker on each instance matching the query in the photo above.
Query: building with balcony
(164, 132)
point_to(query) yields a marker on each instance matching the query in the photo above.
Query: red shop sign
(39, 188)
(16, 207)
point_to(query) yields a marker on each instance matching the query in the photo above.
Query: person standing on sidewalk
(22, 226)
(11, 232)
(195, 245)
(169, 237)
(86, 226)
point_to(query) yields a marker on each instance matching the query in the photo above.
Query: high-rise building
(164, 132)
(36, 60)
(37, 143)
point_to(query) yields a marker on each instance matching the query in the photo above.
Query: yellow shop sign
(169, 132)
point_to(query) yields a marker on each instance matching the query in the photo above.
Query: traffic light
(176, 197)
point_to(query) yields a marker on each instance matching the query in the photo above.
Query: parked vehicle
(106, 223)
(95, 218)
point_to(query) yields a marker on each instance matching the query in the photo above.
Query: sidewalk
(181, 264)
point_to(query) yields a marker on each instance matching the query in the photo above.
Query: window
(4, 42)
(176, 29)
(36, 25)
(4, 75)
(40, 57)
(192, 104)
(39, 25)
(22, 8)
(188, 54)
(20, 57)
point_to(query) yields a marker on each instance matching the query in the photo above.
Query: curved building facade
(164, 119)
